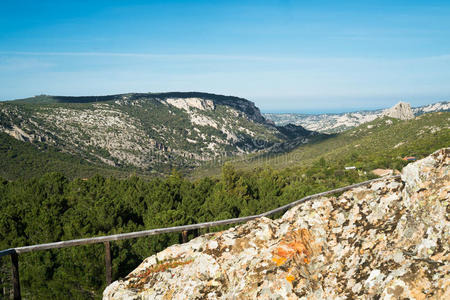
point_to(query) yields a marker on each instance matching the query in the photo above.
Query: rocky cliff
(149, 131)
(400, 111)
(389, 239)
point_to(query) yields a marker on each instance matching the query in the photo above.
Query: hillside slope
(389, 240)
(151, 132)
(20, 159)
(381, 143)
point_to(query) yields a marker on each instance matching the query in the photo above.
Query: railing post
(184, 236)
(108, 263)
(15, 276)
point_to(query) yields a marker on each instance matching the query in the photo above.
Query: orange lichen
(290, 278)
(279, 260)
(298, 244)
(145, 276)
(297, 250)
(164, 266)
(285, 251)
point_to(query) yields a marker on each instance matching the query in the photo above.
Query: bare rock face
(400, 111)
(388, 240)
(188, 103)
(154, 132)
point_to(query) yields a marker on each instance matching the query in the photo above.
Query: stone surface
(387, 240)
(383, 172)
(400, 111)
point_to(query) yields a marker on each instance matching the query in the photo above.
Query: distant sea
(319, 111)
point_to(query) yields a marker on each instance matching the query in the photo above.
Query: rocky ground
(388, 240)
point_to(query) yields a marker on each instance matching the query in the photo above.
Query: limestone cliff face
(400, 111)
(154, 132)
(389, 239)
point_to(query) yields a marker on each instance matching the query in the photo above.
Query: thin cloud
(140, 55)
(438, 57)
(200, 56)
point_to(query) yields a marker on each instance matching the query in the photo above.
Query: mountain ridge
(339, 122)
(148, 131)
(229, 100)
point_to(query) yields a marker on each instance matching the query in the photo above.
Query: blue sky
(304, 56)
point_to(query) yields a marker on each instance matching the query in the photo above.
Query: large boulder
(389, 239)
(401, 110)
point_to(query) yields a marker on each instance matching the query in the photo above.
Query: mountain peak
(401, 110)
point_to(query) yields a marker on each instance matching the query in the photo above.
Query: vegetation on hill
(25, 160)
(38, 99)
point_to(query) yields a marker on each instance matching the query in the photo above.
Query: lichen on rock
(387, 240)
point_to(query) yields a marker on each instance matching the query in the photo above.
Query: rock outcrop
(400, 111)
(389, 239)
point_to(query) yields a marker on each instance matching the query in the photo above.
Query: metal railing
(14, 252)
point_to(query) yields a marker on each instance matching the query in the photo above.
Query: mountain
(381, 143)
(387, 240)
(333, 123)
(152, 134)
(148, 132)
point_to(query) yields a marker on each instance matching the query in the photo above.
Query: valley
(75, 167)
